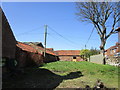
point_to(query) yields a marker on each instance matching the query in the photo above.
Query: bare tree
(103, 15)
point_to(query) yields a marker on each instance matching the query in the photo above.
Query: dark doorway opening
(74, 57)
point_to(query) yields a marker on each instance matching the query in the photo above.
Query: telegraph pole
(45, 37)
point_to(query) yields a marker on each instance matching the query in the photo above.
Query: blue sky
(27, 21)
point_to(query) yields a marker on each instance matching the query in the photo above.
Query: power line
(29, 31)
(72, 42)
(65, 42)
(89, 37)
(61, 35)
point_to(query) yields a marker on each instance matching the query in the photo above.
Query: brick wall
(69, 58)
(50, 58)
(28, 59)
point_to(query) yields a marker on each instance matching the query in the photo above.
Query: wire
(89, 37)
(62, 36)
(29, 31)
(65, 42)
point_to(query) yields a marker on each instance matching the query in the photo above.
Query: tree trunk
(102, 48)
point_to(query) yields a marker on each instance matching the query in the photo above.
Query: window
(74, 57)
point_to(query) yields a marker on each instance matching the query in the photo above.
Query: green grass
(90, 71)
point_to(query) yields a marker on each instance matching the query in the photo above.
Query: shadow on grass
(38, 78)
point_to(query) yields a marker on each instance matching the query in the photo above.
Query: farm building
(51, 56)
(69, 55)
(28, 56)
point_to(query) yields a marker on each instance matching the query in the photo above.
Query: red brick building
(113, 50)
(28, 56)
(69, 55)
(32, 55)
(51, 56)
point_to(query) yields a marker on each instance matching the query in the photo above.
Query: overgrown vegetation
(91, 73)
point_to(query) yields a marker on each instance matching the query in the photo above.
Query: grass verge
(91, 73)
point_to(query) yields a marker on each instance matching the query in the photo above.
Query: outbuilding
(69, 55)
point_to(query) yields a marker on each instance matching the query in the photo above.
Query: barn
(27, 56)
(69, 55)
(51, 56)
